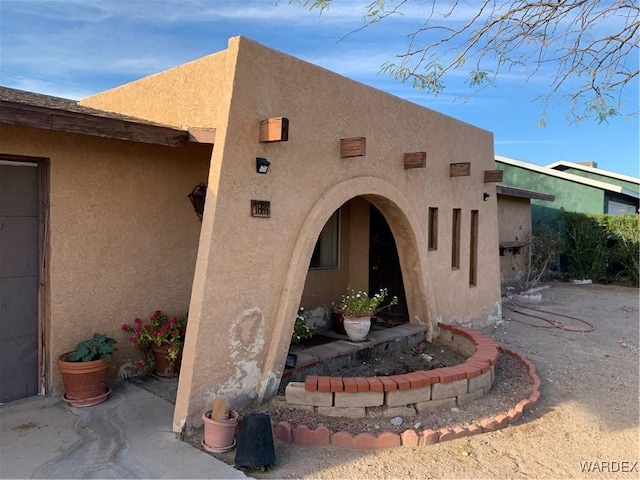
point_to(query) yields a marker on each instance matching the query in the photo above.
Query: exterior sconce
(197, 197)
(485, 196)
(262, 165)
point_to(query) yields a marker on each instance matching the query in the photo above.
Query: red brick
(534, 397)
(389, 384)
(350, 385)
(336, 384)
(324, 384)
(319, 436)
(311, 383)
(343, 440)
(282, 432)
(375, 385)
(363, 385)
(446, 434)
(402, 381)
(459, 372)
(513, 415)
(429, 377)
(416, 380)
(301, 435)
(501, 420)
(447, 375)
(409, 438)
(474, 429)
(460, 431)
(367, 441)
(536, 383)
(428, 437)
(489, 424)
(523, 405)
(472, 371)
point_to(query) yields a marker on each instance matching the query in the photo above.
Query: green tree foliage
(602, 248)
(585, 50)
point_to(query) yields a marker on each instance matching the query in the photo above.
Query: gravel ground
(587, 416)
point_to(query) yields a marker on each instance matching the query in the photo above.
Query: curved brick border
(482, 348)
(486, 354)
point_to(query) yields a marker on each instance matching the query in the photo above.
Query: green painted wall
(635, 186)
(573, 197)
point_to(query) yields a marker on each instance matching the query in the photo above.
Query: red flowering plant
(159, 330)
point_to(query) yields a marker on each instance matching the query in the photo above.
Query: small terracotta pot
(218, 434)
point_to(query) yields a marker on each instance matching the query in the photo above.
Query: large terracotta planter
(85, 383)
(164, 367)
(357, 328)
(218, 434)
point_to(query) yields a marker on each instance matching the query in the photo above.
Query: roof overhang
(58, 114)
(522, 193)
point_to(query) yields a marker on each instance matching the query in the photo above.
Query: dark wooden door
(384, 267)
(19, 240)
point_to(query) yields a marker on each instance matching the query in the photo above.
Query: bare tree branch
(589, 46)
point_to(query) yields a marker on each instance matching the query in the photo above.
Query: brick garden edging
(485, 352)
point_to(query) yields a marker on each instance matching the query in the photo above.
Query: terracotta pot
(85, 383)
(218, 434)
(357, 328)
(163, 367)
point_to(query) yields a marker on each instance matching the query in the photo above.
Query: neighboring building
(112, 235)
(576, 187)
(515, 232)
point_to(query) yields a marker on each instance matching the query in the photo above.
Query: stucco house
(107, 232)
(581, 188)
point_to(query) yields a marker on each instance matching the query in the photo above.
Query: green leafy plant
(159, 330)
(359, 304)
(301, 330)
(98, 347)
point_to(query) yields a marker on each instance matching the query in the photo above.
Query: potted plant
(219, 427)
(301, 332)
(160, 339)
(85, 371)
(358, 308)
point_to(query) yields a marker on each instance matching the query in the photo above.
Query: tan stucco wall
(514, 220)
(250, 273)
(324, 287)
(123, 235)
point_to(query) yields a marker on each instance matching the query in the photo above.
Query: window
(473, 249)
(455, 239)
(433, 228)
(325, 253)
(617, 208)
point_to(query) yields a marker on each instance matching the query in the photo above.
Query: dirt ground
(587, 417)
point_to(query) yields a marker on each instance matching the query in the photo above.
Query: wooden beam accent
(202, 135)
(89, 124)
(415, 160)
(462, 169)
(274, 130)
(491, 176)
(353, 147)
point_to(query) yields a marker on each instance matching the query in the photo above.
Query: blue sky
(73, 49)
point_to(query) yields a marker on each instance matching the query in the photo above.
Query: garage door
(19, 234)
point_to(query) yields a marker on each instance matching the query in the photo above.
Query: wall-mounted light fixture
(262, 165)
(197, 197)
(485, 196)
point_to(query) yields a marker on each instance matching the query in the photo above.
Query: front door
(19, 272)
(384, 268)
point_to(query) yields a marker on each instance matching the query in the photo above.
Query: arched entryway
(409, 240)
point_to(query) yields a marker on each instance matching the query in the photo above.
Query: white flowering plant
(360, 304)
(301, 330)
